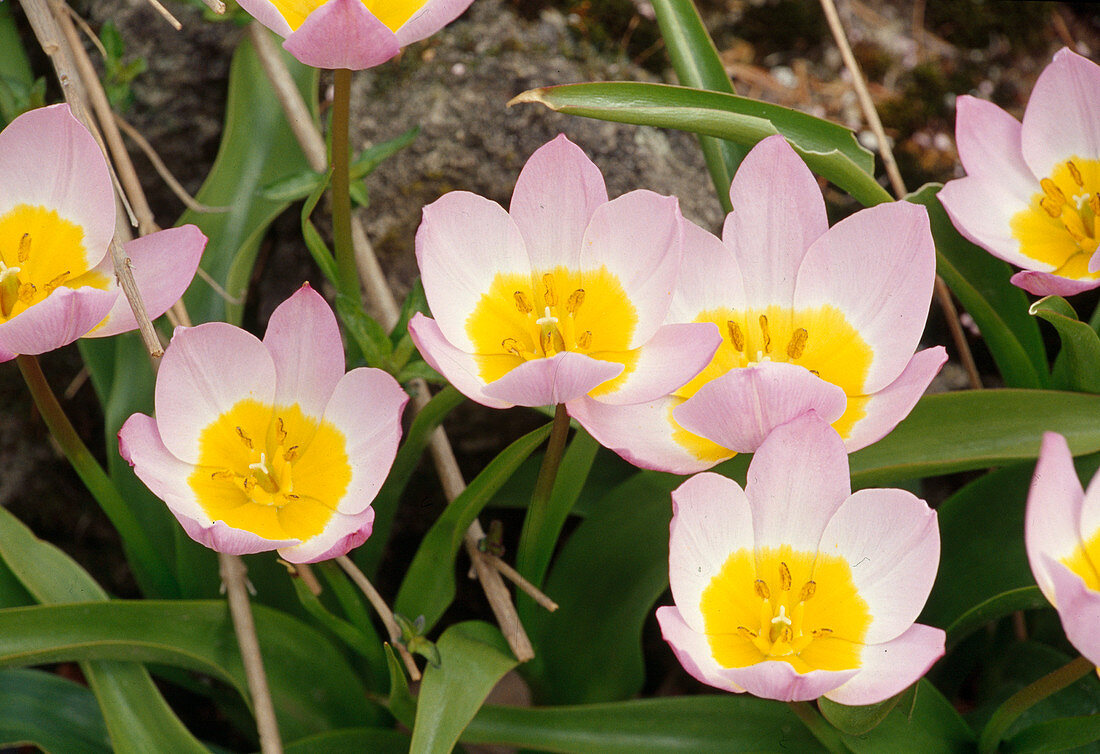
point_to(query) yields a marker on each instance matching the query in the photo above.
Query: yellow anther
(1073, 171)
(746, 633)
(1094, 203)
(1052, 208)
(550, 297)
(25, 247)
(817, 633)
(291, 453)
(280, 431)
(546, 340)
(223, 474)
(786, 634)
(1050, 188)
(762, 590)
(798, 343)
(585, 340)
(244, 437)
(1075, 234)
(736, 336)
(290, 496)
(784, 577)
(522, 302)
(511, 345)
(808, 590)
(767, 335)
(26, 292)
(50, 286)
(576, 298)
(815, 373)
(249, 483)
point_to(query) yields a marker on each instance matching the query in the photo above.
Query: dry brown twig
(383, 611)
(172, 20)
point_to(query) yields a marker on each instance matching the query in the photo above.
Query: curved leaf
(926, 725)
(1057, 735)
(1078, 365)
(858, 720)
(351, 741)
(47, 711)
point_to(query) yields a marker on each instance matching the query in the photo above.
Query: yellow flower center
(1085, 561)
(819, 339)
(393, 13)
(1060, 228)
(39, 253)
(272, 471)
(776, 604)
(522, 318)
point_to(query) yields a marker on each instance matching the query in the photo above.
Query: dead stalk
(383, 611)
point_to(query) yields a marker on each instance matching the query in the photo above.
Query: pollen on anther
(291, 453)
(550, 297)
(1073, 171)
(1050, 188)
(746, 633)
(25, 247)
(244, 437)
(1052, 208)
(280, 431)
(26, 292)
(819, 632)
(57, 281)
(1094, 203)
(761, 588)
(511, 345)
(585, 339)
(784, 577)
(576, 298)
(764, 332)
(522, 302)
(223, 474)
(809, 589)
(798, 343)
(736, 336)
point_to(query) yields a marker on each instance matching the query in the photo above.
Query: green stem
(1029, 696)
(150, 569)
(348, 282)
(826, 734)
(544, 485)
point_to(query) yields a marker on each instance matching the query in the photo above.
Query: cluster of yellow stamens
(796, 346)
(780, 633)
(556, 327)
(14, 287)
(264, 481)
(1078, 210)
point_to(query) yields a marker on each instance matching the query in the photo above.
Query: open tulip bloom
(353, 34)
(1062, 533)
(561, 300)
(1031, 195)
(268, 445)
(794, 587)
(57, 218)
(812, 317)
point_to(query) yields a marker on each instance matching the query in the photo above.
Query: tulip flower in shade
(57, 218)
(353, 34)
(812, 317)
(562, 299)
(1062, 533)
(263, 445)
(794, 587)
(1031, 195)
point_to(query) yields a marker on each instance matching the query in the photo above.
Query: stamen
(511, 345)
(762, 590)
(1052, 208)
(782, 617)
(817, 633)
(767, 335)
(809, 589)
(546, 340)
(522, 302)
(550, 297)
(736, 336)
(785, 635)
(1094, 204)
(1073, 171)
(25, 247)
(244, 437)
(784, 577)
(576, 298)
(263, 476)
(249, 483)
(291, 453)
(223, 474)
(57, 281)
(280, 431)
(1075, 234)
(746, 633)
(798, 343)
(26, 292)
(1050, 188)
(291, 496)
(585, 340)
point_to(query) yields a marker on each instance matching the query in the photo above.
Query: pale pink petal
(205, 371)
(463, 242)
(366, 407)
(796, 481)
(556, 194)
(892, 544)
(739, 409)
(988, 141)
(430, 18)
(778, 211)
(671, 358)
(981, 209)
(693, 651)
(222, 537)
(779, 680)
(48, 159)
(163, 264)
(1088, 524)
(890, 668)
(342, 534)
(558, 379)
(889, 406)
(64, 315)
(460, 368)
(342, 34)
(637, 237)
(1053, 509)
(1061, 119)
(878, 267)
(643, 434)
(709, 277)
(267, 14)
(1045, 284)
(304, 341)
(1078, 608)
(711, 520)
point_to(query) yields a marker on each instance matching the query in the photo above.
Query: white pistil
(547, 319)
(261, 466)
(6, 272)
(1081, 200)
(782, 617)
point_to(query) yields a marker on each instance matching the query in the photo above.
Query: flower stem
(826, 734)
(150, 569)
(537, 513)
(383, 611)
(348, 281)
(1029, 696)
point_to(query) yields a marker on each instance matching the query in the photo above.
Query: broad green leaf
(605, 580)
(257, 148)
(47, 711)
(429, 584)
(1078, 365)
(12, 591)
(352, 741)
(928, 725)
(416, 301)
(369, 646)
(688, 724)
(697, 65)
(829, 149)
(14, 63)
(372, 340)
(1056, 735)
(981, 282)
(401, 703)
(859, 720)
(976, 429)
(473, 657)
(1004, 603)
(318, 249)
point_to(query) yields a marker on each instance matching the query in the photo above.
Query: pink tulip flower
(263, 445)
(57, 218)
(1031, 195)
(794, 587)
(353, 34)
(813, 317)
(1062, 534)
(562, 299)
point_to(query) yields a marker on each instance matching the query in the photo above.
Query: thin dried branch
(383, 611)
(517, 578)
(172, 20)
(215, 5)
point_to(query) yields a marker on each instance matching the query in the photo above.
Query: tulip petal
(981, 209)
(62, 317)
(779, 680)
(1078, 608)
(888, 669)
(430, 18)
(342, 34)
(778, 212)
(709, 277)
(890, 539)
(989, 144)
(206, 371)
(672, 357)
(1053, 514)
(693, 651)
(739, 409)
(558, 379)
(886, 408)
(267, 14)
(1045, 284)
(1060, 121)
(460, 368)
(342, 534)
(164, 264)
(556, 194)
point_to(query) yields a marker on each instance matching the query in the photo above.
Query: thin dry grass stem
(516, 578)
(235, 577)
(859, 83)
(306, 574)
(222, 292)
(383, 611)
(91, 35)
(215, 5)
(172, 20)
(76, 384)
(1061, 28)
(384, 307)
